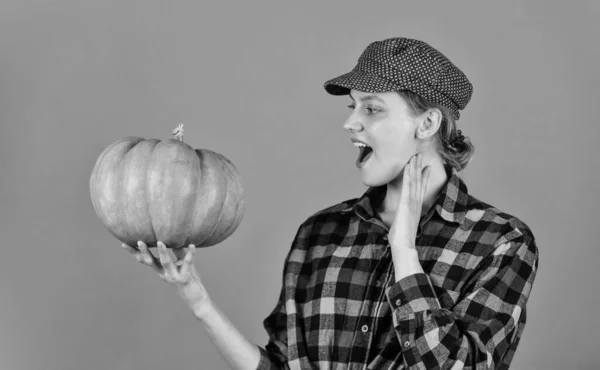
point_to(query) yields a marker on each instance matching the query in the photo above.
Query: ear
(429, 123)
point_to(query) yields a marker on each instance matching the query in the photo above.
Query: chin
(378, 178)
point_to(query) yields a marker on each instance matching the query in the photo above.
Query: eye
(371, 110)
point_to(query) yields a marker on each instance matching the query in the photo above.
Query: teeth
(360, 145)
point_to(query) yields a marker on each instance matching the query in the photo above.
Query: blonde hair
(457, 156)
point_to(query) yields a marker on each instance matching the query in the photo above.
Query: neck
(437, 180)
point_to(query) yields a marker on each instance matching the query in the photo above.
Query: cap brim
(358, 80)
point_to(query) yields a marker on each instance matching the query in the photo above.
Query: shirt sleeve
(272, 356)
(479, 330)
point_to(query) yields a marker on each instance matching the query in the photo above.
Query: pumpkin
(152, 190)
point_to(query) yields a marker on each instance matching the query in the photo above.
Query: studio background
(246, 79)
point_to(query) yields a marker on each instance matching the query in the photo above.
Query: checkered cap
(405, 64)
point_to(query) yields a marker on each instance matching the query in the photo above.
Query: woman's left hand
(403, 232)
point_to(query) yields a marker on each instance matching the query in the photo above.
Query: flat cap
(401, 63)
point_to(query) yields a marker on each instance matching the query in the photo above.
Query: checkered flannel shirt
(340, 306)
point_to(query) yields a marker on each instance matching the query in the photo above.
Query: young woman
(414, 274)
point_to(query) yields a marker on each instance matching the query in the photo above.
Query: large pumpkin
(154, 190)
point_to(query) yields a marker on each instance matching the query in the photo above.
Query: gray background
(246, 79)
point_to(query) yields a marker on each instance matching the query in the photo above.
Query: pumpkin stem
(178, 132)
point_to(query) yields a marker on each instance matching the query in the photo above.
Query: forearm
(237, 351)
(406, 264)
(182, 276)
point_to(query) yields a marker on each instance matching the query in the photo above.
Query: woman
(414, 274)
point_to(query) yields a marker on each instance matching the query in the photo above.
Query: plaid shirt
(340, 306)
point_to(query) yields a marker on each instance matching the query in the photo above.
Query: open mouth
(364, 153)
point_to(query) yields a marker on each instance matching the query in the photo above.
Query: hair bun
(458, 139)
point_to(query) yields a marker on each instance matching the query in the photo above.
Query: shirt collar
(451, 203)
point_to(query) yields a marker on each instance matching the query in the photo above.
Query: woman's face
(382, 121)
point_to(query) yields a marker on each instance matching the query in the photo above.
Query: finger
(165, 259)
(180, 254)
(412, 172)
(413, 175)
(411, 167)
(129, 248)
(426, 173)
(136, 253)
(418, 175)
(187, 260)
(405, 181)
(147, 258)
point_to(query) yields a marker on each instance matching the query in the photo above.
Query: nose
(352, 124)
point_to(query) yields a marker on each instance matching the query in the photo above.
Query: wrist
(403, 243)
(407, 264)
(202, 309)
(195, 295)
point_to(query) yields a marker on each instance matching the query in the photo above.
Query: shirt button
(407, 344)
(398, 302)
(385, 237)
(365, 328)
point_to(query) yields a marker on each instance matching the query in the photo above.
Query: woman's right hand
(181, 274)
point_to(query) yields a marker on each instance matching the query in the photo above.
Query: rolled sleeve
(270, 360)
(272, 356)
(412, 294)
(479, 331)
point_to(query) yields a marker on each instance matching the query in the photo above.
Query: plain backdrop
(246, 78)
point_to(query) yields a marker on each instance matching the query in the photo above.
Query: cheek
(396, 141)
(389, 163)
(397, 151)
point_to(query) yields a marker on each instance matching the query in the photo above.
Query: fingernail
(139, 244)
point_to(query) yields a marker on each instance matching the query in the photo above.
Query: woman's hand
(403, 232)
(181, 274)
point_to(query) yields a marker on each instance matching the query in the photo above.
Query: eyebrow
(368, 97)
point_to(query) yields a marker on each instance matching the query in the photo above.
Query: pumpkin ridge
(217, 224)
(95, 177)
(170, 191)
(121, 195)
(238, 192)
(193, 207)
(210, 199)
(147, 198)
(111, 208)
(231, 203)
(240, 209)
(195, 210)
